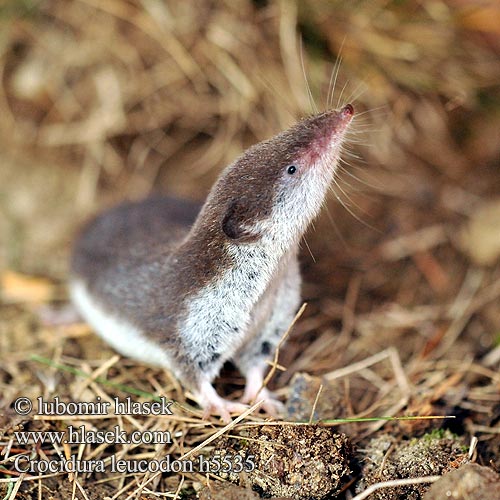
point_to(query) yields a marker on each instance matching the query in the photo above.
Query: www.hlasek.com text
(85, 435)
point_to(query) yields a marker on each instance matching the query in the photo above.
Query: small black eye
(291, 169)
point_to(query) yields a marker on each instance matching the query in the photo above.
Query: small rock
(303, 392)
(467, 482)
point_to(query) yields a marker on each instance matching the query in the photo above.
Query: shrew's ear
(236, 223)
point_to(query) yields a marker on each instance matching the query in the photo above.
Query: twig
(280, 343)
(395, 483)
(315, 403)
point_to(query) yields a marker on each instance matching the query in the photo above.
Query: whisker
(309, 92)
(358, 179)
(360, 133)
(352, 213)
(339, 100)
(350, 154)
(341, 190)
(371, 110)
(335, 227)
(278, 95)
(309, 249)
(357, 92)
(359, 141)
(349, 199)
(336, 68)
(333, 82)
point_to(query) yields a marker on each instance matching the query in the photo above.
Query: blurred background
(102, 101)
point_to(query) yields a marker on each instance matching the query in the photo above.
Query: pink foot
(255, 392)
(271, 404)
(213, 404)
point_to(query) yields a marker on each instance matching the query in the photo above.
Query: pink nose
(348, 110)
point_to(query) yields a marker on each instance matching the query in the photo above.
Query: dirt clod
(386, 459)
(226, 491)
(469, 481)
(302, 462)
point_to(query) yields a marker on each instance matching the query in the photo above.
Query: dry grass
(115, 99)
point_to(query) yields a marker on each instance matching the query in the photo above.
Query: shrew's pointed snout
(339, 120)
(323, 134)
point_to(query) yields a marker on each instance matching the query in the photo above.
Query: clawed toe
(271, 404)
(273, 407)
(213, 404)
(223, 409)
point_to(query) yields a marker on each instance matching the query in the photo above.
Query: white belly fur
(122, 336)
